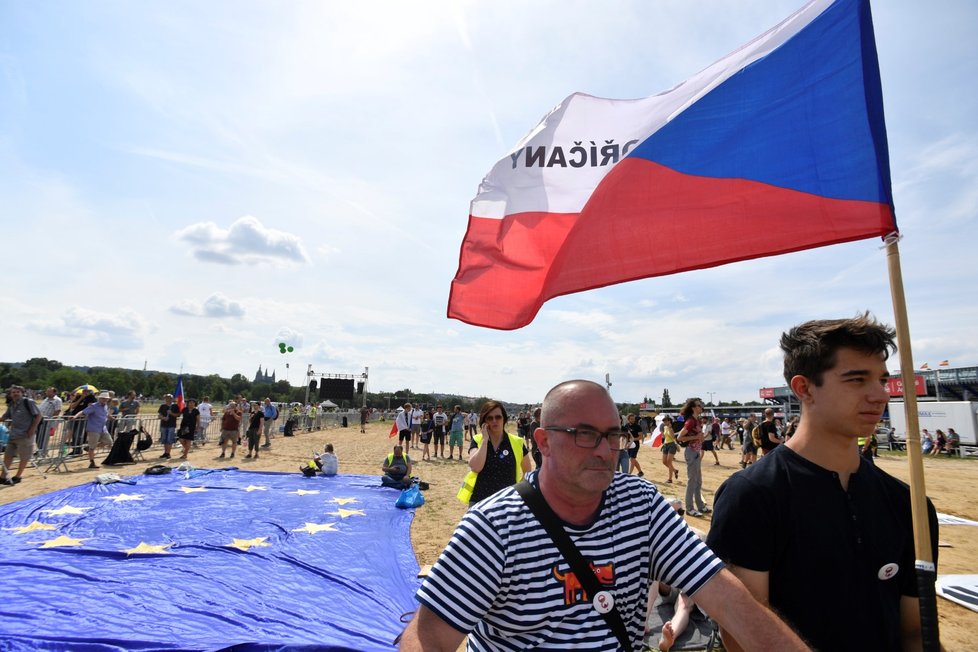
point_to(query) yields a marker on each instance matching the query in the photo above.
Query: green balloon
(291, 349)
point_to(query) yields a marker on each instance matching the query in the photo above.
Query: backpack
(275, 414)
(755, 435)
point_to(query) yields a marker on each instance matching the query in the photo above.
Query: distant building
(264, 378)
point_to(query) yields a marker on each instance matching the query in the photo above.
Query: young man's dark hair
(810, 348)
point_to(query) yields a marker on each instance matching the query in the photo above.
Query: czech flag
(778, 147)
(178, 394)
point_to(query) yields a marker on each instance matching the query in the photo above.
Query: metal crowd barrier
(62, 439)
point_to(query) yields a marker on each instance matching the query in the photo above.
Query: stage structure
(337, 387)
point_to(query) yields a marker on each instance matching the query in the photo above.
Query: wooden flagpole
(925, 567)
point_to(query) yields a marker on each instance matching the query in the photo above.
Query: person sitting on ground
(397, 469)
(327, 462)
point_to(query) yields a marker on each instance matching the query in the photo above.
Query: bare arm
(752, 626)
(910, 630)
(430, 633)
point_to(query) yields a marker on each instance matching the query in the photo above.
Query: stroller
(119, 453)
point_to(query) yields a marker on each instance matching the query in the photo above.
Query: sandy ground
(949, 484)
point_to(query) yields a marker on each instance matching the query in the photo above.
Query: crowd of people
(509, 580)
(86, 421)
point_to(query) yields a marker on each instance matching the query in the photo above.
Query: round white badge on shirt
(888, 571)
(603, 602)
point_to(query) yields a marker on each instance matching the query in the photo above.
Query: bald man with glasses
(504, 583)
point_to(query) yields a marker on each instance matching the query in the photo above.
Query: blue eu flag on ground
(207, 560)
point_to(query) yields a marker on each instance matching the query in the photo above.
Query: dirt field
(949, 484)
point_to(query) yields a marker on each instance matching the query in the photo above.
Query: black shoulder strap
(534, 500)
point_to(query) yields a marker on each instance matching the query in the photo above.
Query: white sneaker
(694, 513)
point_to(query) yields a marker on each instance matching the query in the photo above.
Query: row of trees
(38, 373)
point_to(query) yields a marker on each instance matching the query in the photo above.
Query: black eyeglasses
(590, 438)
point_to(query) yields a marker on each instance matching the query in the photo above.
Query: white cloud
(246, 241)
(124, 329)
(216, 306)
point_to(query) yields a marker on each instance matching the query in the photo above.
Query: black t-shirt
(188, 422)
(838, 560)
(169, 414)
(634, 432)
(768, 428)
(499, 471)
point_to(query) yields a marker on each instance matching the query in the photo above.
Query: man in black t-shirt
(168, 413)
(769, 432)
(815, 509)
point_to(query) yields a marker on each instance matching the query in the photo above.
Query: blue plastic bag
(410, 498)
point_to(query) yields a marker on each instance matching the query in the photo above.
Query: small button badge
(888, 571)
(603, 602)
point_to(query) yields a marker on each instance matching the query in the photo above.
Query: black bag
(144, 441)
(158, 469)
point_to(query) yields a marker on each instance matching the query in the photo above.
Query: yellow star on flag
(252, 487)
(303, 492)
(148, 549)
(245, 544)
(193, 490)
(343, 513)
(312, 528)
(344, 501)
(67, 509)
(121, 498)
(61, 542)
(33, 527)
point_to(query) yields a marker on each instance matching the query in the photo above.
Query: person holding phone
(496, 459)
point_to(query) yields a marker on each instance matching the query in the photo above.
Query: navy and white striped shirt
(502, 580)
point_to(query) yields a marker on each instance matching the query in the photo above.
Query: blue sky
(187, 184)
